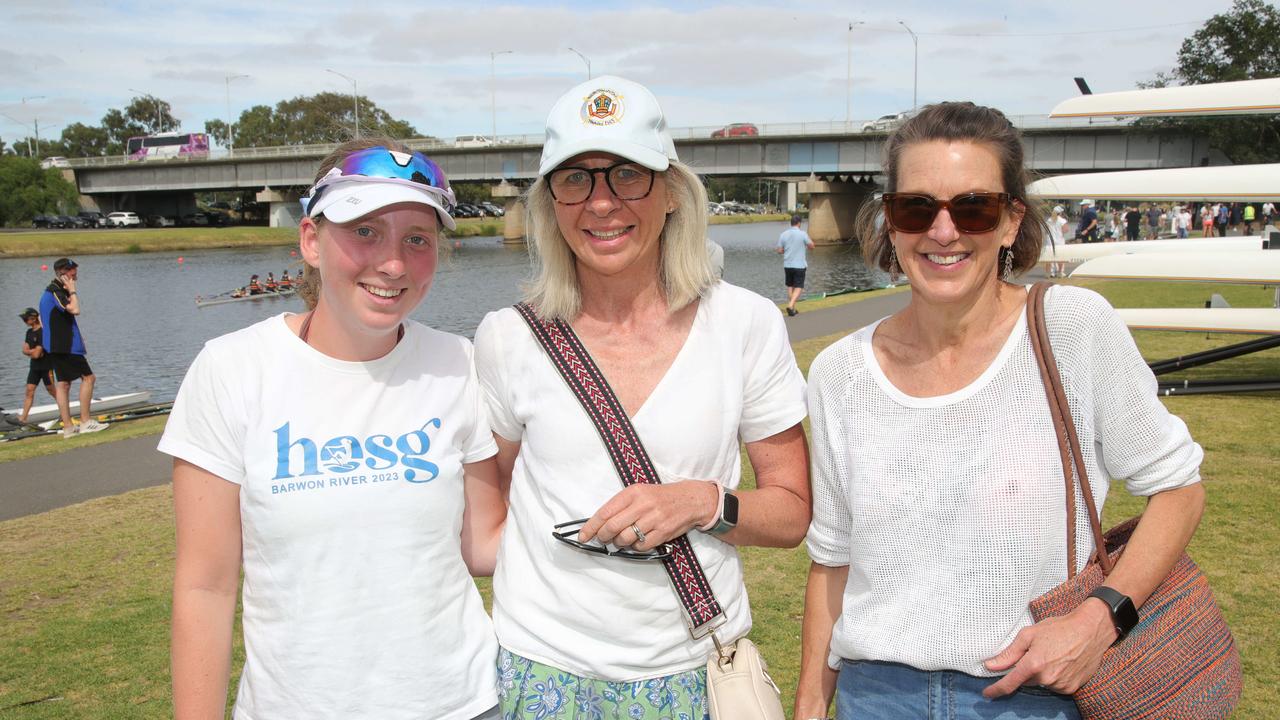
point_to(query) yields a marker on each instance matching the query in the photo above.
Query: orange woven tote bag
(1180, 661)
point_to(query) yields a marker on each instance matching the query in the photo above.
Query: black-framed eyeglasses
(565, 532)
(574, 184)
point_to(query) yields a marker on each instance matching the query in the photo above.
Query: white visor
(357, 196)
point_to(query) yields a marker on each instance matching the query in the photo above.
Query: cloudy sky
(710, 63)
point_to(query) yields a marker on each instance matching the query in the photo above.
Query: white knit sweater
(949, 510)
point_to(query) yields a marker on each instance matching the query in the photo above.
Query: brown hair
(308, 284)
(957, 122)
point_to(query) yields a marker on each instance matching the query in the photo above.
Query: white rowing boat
(1259, 321)
(46, 413)
(1079, 252)
(224, 299)
(1243, 267)
(1244, 97)
(1238, 183)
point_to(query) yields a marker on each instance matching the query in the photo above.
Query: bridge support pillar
(789, 196)
(513, 211)
(284, 208)
(833, 206)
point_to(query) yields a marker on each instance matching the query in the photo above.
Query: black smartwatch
(1123, 614)
(729, 518)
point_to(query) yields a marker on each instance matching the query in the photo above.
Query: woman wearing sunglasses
(587, 617)
(939, 508)
(341, 457)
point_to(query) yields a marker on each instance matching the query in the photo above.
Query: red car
(736, 130)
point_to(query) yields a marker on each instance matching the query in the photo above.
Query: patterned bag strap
(626, 451)
(1073, 467)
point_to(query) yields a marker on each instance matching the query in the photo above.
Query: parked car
(472, 141)
(193, 219)
(885, 123)
(93, 218)
(160, 221)
(217, 219)
(64, 221)
(54, 162)
(123, 219)
(736, 130)
(43, 221)
(492, 209)
(467, 210)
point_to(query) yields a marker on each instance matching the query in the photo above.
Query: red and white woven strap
(622, 443)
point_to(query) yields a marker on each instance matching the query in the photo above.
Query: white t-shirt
(1055, 224)
(949, 511)
(357, 603)
(604, 617)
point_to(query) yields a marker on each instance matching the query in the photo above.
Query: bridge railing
(802, 129)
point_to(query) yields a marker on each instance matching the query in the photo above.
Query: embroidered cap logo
(602, 107)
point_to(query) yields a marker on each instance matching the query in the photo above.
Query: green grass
(53, 444)
(741, 219)
(84, 590)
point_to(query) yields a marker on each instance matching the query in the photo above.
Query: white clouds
(710, 63)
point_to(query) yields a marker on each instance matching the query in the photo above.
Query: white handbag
(739, 686)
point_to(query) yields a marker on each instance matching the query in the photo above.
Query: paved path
(53, 481)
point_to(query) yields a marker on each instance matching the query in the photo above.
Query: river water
(142, 327)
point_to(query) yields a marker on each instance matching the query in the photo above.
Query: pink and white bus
(163, 146)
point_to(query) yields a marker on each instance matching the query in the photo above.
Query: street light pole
(585, 59)
(154, 99)
(493, 94)
(915, 66)
(230, 123)
(355, 97)
(37, 125)
(848, 73)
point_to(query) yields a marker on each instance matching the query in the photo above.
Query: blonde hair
(307, 286)
(967, 122)
(684, 270)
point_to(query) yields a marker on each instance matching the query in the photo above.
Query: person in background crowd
(1184, 222)
(1223, 218)
(1132, 223)
(64, 348)
(1268, 213)
(37, 370)
(1153, 221)
(1248, 214)
(1206, 220)
(1087, 229)
(1056, 224)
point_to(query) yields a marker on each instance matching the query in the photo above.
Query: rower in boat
(254, 287)
(286, 283)
(271, 283)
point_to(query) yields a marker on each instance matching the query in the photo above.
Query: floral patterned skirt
(528, 690)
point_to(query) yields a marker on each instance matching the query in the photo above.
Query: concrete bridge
(835, 164)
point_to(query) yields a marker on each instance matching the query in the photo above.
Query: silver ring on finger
(635, 528)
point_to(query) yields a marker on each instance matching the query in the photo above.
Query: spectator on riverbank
(794, 245)
(64, 347)
(1087, 230)
(37, 372)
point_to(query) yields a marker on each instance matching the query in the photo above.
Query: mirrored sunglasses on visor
(977, 212)
(381, 165)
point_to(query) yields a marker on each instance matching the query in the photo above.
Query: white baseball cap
(1086, 201)
(608, 114)
(1059, 209)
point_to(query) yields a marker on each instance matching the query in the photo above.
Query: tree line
(322, 118)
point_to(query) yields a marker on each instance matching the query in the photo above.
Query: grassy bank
(84, 590)
(55, 243)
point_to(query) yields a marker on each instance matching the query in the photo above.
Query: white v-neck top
(950, 511)
(734, 379)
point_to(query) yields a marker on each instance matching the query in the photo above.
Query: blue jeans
(870, 689)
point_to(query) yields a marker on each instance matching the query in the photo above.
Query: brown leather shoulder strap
(1073, 465)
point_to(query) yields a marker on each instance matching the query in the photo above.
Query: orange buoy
(43, 268)
(180, 259)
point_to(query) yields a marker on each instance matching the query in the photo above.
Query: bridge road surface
(44, 483)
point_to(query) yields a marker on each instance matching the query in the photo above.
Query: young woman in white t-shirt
(939, 509)
(341, 457)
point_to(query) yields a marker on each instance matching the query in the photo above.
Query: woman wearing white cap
(698, 365)
(1055, 224)
(330, 454)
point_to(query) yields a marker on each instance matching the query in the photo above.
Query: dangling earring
(1008, 265)
(894, 269)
